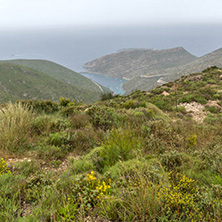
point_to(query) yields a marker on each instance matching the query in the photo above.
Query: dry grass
(15, 125)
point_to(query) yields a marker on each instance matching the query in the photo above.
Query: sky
(54, 13)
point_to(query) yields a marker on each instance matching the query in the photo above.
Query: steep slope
(60, 72)
(147, 83)
(140, 62)
(20, 82)
(202, 89)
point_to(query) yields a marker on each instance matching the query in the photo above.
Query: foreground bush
(15, 126)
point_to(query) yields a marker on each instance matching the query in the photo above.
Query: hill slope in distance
(139, 62)
(21, 82)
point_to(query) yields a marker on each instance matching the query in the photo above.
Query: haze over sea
(72, 47)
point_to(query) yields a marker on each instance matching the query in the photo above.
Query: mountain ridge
(134, 63)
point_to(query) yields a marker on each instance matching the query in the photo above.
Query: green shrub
(85, 191)
(79, 120)
(83, 140)
(49, 123)
(70, 110)
(213, 119)
(132, 104)
(149, 168)
(192, 98)
(106, 96)
(174, 160)
(86, 163)
(55, 139)
(41, 106)
(64, 102)
(121, 146)
(15, 126)
(102, 117)
(212, 109)
(181, 109)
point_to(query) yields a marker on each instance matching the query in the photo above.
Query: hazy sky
(40, 13)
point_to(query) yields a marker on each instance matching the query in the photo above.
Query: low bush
(106, 96)
(41, 106)
(102, 117)
(85, 139)
(79, 120)
(122, 145)
(44, 124)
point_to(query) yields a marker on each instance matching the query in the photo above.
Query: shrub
(191, 141)
(181, 109)
(102, 117)
(106, 96)
(180, 199)
(55, 139)
(85, 191)
(88, 162)
(132, 104)
(49, 123)
(70, 110)
(41, 106)
(79, 120)
(212, 109)
(15, 126)
(173, 160)
(63, 101)
(121, 146)
(85, 139)
(3, 166)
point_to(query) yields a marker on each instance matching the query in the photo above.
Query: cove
(114, 84)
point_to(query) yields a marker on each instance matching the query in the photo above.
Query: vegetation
(40, 81)
(173, 73)
(142, 157)
(137, 62)
(146, 69)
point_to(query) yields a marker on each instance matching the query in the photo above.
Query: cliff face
(139, 62)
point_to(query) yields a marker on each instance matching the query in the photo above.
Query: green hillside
(141, 62)
(20, 82)
(148, 156)
(60, 72)
(171, 74)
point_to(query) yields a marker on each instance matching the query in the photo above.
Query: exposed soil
(196, 110)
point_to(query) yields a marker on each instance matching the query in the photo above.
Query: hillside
(171, 74)
(136, 63)
(20, 82)
(148, 156)
(57, 71)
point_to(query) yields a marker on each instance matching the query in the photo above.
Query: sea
(74, 46)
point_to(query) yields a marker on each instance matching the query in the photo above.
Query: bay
(114, 84)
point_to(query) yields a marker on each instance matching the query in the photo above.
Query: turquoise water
(114, 84)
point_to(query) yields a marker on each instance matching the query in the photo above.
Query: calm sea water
(73, 47)
(114, 84)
